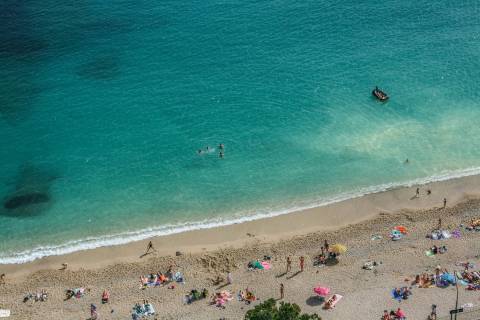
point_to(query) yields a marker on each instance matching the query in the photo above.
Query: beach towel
(178, 277)
(446, 234)
(429, 253)
(79, 292)
(401, 229)
(256, 265)
(396, 235)
(266, 265)
(397, 295)
(448, 277)
(155, 281)
(149, 309)
(456, 234)
(332, 302)
(141, 311)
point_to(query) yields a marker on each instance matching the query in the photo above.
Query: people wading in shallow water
(221, 155)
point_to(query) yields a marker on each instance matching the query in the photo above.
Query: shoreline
(329, 217)
(398, 263)
(125, 238)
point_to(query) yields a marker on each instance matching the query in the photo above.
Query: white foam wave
(131, 236)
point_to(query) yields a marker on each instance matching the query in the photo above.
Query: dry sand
(212, 252)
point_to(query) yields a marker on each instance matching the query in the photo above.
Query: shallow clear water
(103, 106)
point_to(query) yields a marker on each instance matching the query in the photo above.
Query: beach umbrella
(321, 291)
(338, 248)
(401, 229)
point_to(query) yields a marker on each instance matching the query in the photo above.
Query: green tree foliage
(270, 311)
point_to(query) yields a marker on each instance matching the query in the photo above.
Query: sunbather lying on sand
(77, 293)
(195, 295)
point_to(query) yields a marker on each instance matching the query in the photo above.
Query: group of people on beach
(221, 153)
(393, 315)
(429, 192)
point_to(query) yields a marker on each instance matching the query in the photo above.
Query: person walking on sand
(433, 314)
(150, 247)
(93, 312)
(444, 203)
(439, 224)
(302, 263)
(326, 246)
(229, 278)
(282, 291)
(417, 193)
(289, 264)
(2, 278)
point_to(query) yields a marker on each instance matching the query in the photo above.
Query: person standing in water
(221, 155)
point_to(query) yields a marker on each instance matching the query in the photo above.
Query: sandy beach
(206, 254)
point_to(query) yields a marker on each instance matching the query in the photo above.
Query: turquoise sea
(104, 104)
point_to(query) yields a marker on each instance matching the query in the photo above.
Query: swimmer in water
(221, 146)
(221, 154)
(200, 151)
(406, 161)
